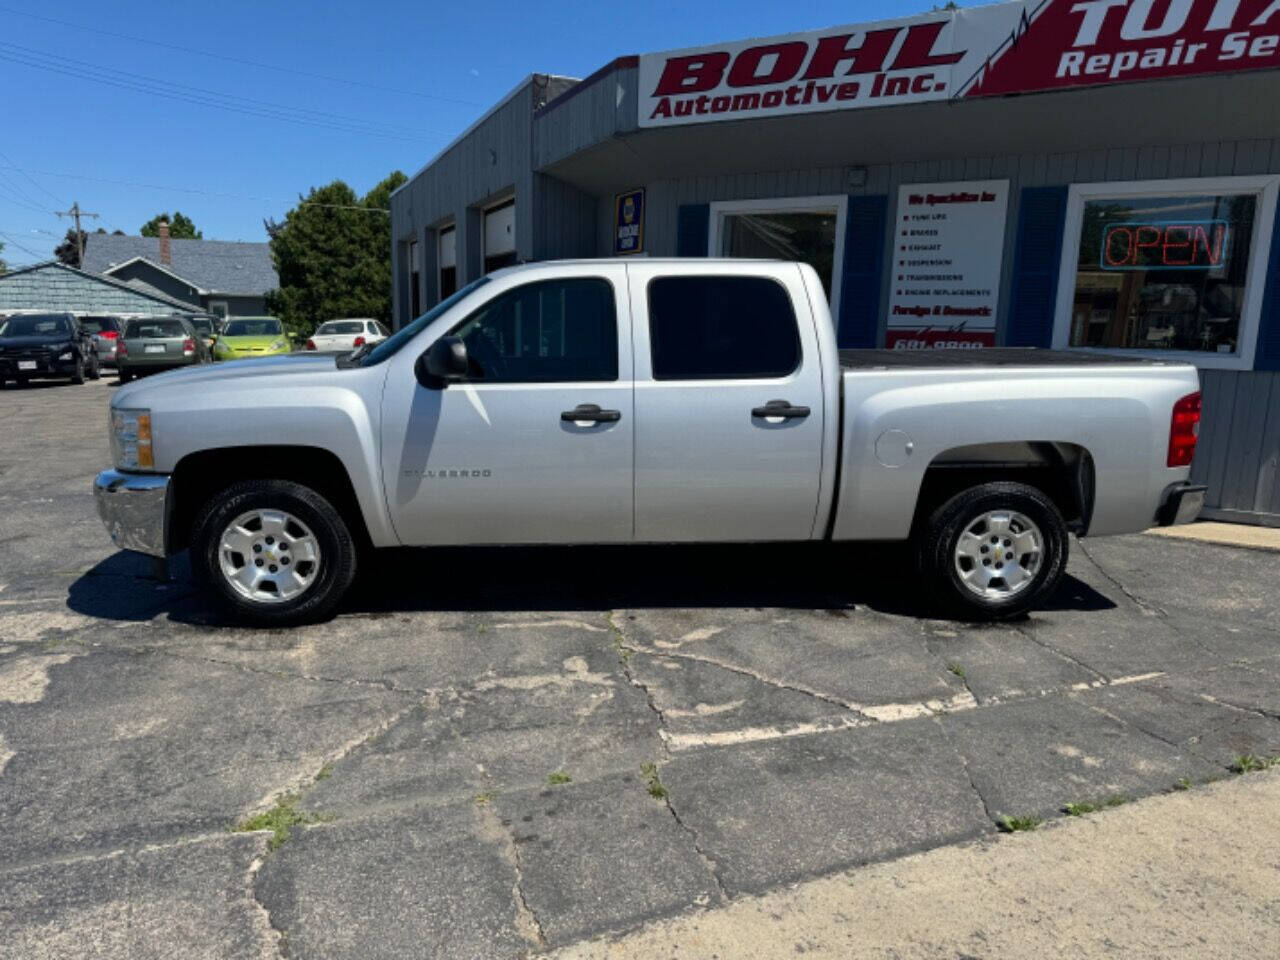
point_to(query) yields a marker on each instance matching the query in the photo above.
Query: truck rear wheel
(274, 552)
(995, 550)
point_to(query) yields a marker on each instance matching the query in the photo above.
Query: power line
(161, 88)
(193, 190)
(6, 158)
(165, 84)
(26, 250)
(251, 63)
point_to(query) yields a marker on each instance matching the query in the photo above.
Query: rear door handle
(780, 408)
(590, 412)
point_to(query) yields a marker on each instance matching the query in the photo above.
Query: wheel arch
(200, 475)
(1064, 472)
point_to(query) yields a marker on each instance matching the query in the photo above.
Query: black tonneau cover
(987, 357)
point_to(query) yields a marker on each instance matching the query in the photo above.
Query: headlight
(66, 356)
(278, 345)
(131, 439)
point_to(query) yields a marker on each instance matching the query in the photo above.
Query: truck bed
(987, 357)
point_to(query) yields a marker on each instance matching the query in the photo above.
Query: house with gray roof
(57, 287)
(222, 277)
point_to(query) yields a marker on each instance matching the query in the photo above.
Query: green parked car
(243, 337)
(158, 343)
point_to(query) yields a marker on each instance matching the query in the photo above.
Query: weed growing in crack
(1080, 809)
(280, 820)
(656, 788)
(956, 669)
(558, 777)
(1008, 824)
(1182, 784)
(1248, 763)
(620, 648)
(325, 772)
(484, 799)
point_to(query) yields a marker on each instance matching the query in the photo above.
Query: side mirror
(442, 362)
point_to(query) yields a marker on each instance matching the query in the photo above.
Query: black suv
(46, 345)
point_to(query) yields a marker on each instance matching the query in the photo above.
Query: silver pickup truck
(647, 401)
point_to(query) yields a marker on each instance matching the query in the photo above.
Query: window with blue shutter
(864, 243)
(692, 226)
(1267, 356)
(1042, 214)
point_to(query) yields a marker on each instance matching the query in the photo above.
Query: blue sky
(418, 74)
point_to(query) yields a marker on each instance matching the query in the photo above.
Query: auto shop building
(1081, 174)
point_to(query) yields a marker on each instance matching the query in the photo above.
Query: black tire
(337, 550)
(939, 537)
(124, 376)
(95, 371)
(78, 376)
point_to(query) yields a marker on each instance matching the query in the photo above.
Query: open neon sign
(1176, 245)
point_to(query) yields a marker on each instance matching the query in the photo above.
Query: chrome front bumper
(135, 509)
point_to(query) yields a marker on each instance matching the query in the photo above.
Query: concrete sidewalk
(1194, 874)
(1224, 534)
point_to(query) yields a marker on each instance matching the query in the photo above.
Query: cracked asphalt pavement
(498, 753)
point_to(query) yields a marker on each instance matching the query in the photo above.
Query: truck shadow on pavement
(790, 576)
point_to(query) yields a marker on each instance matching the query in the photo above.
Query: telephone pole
(76, 213)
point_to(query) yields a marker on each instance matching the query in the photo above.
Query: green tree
(67, 251)
(180, 226)
(333, 254)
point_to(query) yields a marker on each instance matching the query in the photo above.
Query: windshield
(256, 327)
(391, 346)
(341, 326)
(159, 329)
(36, 325)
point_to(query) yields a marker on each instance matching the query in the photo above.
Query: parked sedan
(207, 327)
(243, 337)
(46, 345)
(158, 343)
(105, 331)
(343, 336)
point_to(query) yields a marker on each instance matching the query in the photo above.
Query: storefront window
(808, 236)
(1163, 272)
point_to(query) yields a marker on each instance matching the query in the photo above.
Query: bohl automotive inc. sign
(1015, 47)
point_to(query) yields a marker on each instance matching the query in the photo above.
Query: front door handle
(780, 408)
(590, 412)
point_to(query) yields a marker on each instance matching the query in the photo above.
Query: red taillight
(1184, 431)
(109, 334)
(359, 342)
(121, 349)
(311, 345)
(188, 345)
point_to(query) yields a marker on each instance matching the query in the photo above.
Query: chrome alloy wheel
(998, 554)
(268, 556)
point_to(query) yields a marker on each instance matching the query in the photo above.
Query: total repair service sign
(948, 246)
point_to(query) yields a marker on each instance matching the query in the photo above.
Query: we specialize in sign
(1016, 47)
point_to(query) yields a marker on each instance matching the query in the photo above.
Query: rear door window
(721, 328)
(155, 330)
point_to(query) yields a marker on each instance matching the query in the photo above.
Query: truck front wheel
(995, 550)
(274, 552)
